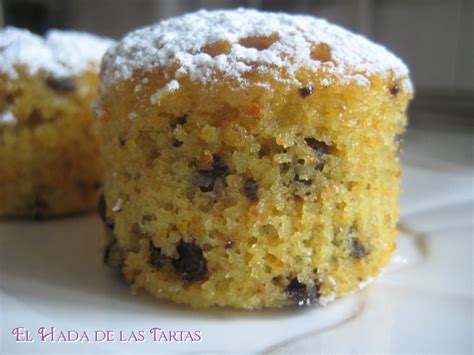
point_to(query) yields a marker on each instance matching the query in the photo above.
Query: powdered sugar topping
(60, 53)
(7, 117)
(233, 42)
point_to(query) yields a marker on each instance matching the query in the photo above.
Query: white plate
(51, 276)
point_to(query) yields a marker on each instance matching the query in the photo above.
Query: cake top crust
(60, 53)
(231, 43)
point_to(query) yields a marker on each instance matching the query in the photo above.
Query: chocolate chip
(39, 209)
(251, 190)
(102, 208)
(157, 259)
(113, 255)
(177, 143)
(122, 139)
(318, 146)
(229, 244)
(219, 167)
(10, 99)
(102, 211)
(358, 250)
(63, 84)
(190, 264)
(306, 91)
(38, 216)
(306, 182)
(319, 166)
(394, 90)
(299, 292)
(180, 120)
(148, 218)
(264, 151)
(205, 178)
(36, 118)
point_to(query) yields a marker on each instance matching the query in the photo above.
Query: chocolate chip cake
(251, 158)
(49, 160)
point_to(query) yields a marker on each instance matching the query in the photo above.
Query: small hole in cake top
(217, 48)
(321, 52)
(260, 43)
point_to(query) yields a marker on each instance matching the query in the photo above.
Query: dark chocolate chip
(190, 264)
(177, 143)
(148, 218)
(122, 139)
(264, 151)
(113, 256)
(102, 210)
(36, 118)
(318, 146)
(285, 167)
(358, 250)
(394, 90)
(10, 99)
(38, 216)
(39, 209)
(306, 91)
(182, 120)
(251, 190)
(157, 259)
(229, 244)
(219, 167)
(205, 178)
(63, 84)
(319, 166)
(303, 181)
(299, 292)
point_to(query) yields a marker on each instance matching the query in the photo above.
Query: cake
(49, 149)
(250, 158)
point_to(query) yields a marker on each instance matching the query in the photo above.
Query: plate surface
(51, 276)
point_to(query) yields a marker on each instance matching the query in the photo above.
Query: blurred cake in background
(49, 161)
